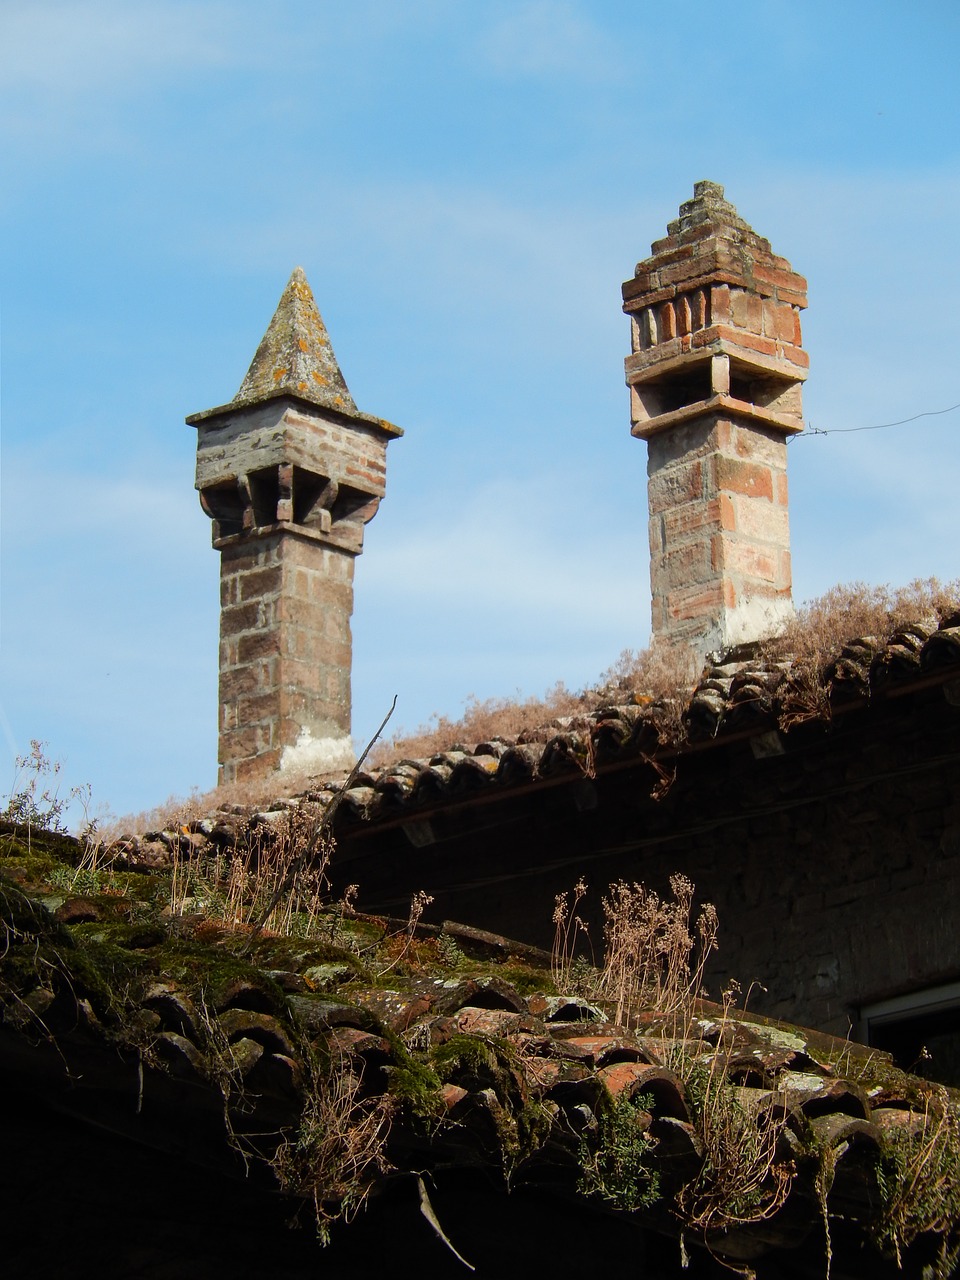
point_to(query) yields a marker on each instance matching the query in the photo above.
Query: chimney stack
(715, 377)
(290, 472)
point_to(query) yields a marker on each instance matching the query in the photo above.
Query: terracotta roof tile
(735, 698)
(511, 1082)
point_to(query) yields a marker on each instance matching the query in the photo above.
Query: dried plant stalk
(340, 1146)
(653, 957)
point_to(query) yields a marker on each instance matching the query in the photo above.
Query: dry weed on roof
(662, 676)
(823, 625)
(658, 677)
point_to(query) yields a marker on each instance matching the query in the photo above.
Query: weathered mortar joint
(290, 473)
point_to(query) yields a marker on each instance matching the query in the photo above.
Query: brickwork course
(715, 376)
(290, 472)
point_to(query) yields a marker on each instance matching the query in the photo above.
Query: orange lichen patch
(302, 344)
(279, 373)
(318, 377)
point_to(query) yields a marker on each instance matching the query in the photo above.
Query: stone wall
(719, 531)
(285, 640)
(834, 867)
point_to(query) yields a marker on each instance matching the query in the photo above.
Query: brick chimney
(715, 377)
(290, 472)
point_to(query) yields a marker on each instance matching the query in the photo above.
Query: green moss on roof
(413, 1064)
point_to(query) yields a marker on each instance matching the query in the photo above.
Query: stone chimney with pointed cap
(715, 376)
(290, 472)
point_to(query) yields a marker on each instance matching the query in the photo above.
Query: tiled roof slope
(357, 1053)
(741, 698)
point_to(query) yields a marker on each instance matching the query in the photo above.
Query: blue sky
(466, 187)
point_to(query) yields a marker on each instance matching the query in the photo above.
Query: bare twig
(322, 826)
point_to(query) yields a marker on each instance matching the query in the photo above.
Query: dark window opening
(742, 388)
(352, 504)
(223, 503)
(922, 1032)
(765, 393)
(927, 1046)
(676, 392)
(308, 489)
(265, 494)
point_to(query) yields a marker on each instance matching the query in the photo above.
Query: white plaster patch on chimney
(756, 619)
(317, 755)
(752, 620)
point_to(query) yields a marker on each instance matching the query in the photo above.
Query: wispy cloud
(545, 38)
(100, 46)
(146, 504)
(523, 547)
(76, 74)
(456, 265)
(108, 628)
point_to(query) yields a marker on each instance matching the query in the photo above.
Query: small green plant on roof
(919, 1179)
(741, 1180)
(655, 959)
(617, 1164)
(253, 882)
(34, 800)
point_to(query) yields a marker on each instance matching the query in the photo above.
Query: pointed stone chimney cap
(295, 358)
(711, 212)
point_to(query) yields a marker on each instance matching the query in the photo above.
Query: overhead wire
(877, 426)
